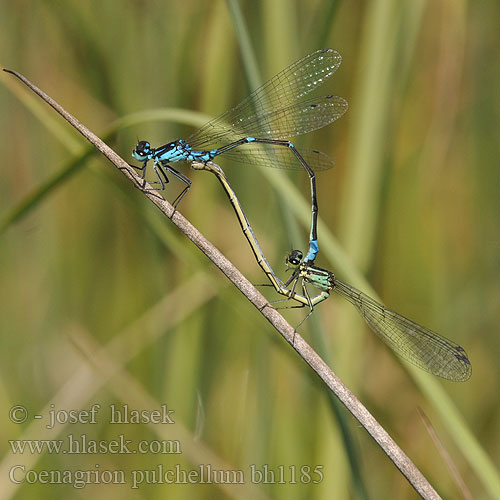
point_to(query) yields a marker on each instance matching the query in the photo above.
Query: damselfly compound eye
(143, 147)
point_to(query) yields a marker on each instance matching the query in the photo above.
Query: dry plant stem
(395, 454)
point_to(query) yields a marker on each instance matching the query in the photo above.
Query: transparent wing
(283, 91)
(283, 123)
(418, 345)
(269, 155)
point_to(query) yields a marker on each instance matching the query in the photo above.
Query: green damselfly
(418, 345)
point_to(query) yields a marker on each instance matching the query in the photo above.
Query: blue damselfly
(264, 120)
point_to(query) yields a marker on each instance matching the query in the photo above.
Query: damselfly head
(294, 258)
(142, 151)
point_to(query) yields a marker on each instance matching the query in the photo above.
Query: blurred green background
(103, 301)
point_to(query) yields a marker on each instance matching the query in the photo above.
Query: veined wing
(418, 345)
(296, 119)
(269, 155)
(283, 90)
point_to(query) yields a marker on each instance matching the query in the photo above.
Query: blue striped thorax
(172, 152)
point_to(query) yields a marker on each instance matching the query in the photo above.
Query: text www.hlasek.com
(81, 444)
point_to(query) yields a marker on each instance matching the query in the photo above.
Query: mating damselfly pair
(257, 131)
